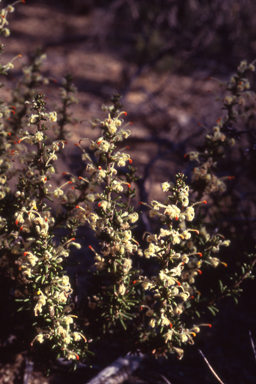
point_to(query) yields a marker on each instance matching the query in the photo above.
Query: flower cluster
(169, 292)
(236, 104)
(3, 20)
(26, 89)
(106, 207)
(28, 236)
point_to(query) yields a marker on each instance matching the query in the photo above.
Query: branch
(209, 365)
(119, 371)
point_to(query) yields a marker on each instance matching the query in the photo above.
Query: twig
(245, 275)
(236, 285)
(252, 343)
(167, 381)
(209, 365)
(119, 371)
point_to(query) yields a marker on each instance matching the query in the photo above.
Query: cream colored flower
(168, 335)
(165, 186)
(121, 289)
(52, 116)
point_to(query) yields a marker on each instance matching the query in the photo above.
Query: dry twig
(209, 365)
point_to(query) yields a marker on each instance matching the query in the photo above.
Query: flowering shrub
(153, 311)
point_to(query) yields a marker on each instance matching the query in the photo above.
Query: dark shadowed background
(162, 56)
